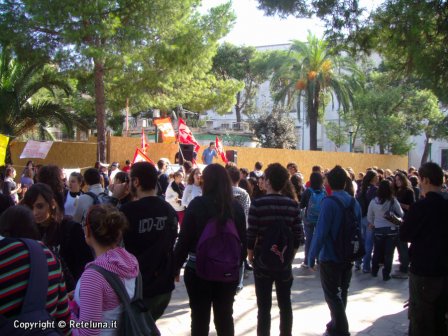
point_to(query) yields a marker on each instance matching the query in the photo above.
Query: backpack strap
(339, 202)
(94, 196)
(118, 286)
(36, 292)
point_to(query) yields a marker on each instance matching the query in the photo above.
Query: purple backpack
(218, 253)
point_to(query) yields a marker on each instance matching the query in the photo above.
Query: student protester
(162, 178)
(95, 300)
(18, 222)
(266, 212)
(10, 187)
(193, 188)
(75, 182)
(425, 227)
(127, 167)
(174, 194)
(52, 176)
(150, 237)
(365, 195)
(335, 274)
(215, 202)
(63, 237)
(405, 196)
(316, 193)
(385, 233)
(122, 178)
(92, 179)
(257, 172)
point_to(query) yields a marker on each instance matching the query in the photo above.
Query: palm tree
(311, 72)
(24, 106)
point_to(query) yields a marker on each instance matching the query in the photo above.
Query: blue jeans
(263, 288)
(309, 232)
(368, 244)
(335, 279)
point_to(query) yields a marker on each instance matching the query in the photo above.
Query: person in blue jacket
(335, 274)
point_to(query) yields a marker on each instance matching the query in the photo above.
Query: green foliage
(388, 112)
(28, 97)
(336, 133)
(157, 53)
(340, 16)
(412, 36)
(243, 64)
(275, 130)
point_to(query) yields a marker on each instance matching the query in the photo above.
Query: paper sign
(3, 144)
(36, 149)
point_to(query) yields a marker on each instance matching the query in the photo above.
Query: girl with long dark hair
(405, 196)
(385, 232)
(62, 236)
(216, 202)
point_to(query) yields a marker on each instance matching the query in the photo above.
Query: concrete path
(375, 307)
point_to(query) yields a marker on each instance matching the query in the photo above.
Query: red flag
(220, 150)
(144, 144)
(185, 135)
(139, 156)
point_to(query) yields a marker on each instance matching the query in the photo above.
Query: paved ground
(374, 308)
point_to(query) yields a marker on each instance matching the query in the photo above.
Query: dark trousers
(335, 279)
(203, 295)
(384, 246)
(428, 306)
(263, 289)
(157, 304)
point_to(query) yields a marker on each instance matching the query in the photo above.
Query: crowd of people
(143, 223)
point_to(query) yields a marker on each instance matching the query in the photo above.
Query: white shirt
(191, 191)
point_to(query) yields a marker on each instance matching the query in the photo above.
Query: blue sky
(252, 28)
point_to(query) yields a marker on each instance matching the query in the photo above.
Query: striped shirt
(14, 275)
(268, 210)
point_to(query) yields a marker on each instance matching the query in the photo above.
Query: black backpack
(277, 249)
(133, 319)
(349, 245)
(33, 307)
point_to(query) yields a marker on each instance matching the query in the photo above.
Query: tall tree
(115, 38)
(413, 36)
(311, 71)
(26, 97)
(243, 64)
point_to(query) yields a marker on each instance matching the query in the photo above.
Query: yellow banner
(3, 144)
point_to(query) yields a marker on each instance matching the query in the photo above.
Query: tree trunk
(425, 154)
(100, 108)
(382, 148)
(313, 110)
(238, 107)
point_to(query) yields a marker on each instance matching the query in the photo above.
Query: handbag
(391, 216)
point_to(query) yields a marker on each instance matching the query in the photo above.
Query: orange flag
(166, 128)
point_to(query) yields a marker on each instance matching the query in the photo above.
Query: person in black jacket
(64, 237)
(151, 236)
(425, 227)
(217, 202)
